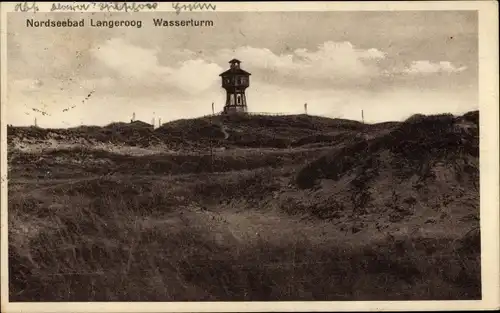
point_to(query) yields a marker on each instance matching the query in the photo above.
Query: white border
(489, 178)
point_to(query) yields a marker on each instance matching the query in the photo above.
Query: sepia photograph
(196, 154)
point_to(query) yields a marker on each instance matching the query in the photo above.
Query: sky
(389, 64)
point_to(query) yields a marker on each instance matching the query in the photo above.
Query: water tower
(235, 81)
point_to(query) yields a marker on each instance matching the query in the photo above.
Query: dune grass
(113, 239)
(389, 212)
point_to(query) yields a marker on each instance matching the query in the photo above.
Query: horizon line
(255, 114)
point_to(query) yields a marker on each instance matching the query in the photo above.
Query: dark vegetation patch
(411, 147)
(244, 131)
(110, 227)
(113, 260)
(59, 163)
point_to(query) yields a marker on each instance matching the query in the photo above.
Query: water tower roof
(233, 71)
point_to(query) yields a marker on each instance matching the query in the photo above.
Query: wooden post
(210, 144)
(305, 107)
(362, 116)
(213, 109)
(35, 123)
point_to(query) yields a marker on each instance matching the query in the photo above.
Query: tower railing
(255, 114)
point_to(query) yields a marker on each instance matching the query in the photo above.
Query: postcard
(249, 157)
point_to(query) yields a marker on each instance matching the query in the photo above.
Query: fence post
(210, 142)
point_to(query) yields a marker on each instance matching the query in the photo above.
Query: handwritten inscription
(31, 6)
(132, 7)
(71, 7)
(106, 6)
(26, 7)
(178, 7)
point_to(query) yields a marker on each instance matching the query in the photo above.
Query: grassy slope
(315, 216)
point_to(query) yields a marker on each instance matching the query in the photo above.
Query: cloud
(428, 67)
(139, 67)
(330, 63)
(335, 79)
(194, 76)
(126, 59)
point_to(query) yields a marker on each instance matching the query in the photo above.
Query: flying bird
(88, 96)
(83, 101)
(39, 111)
(67, 109)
